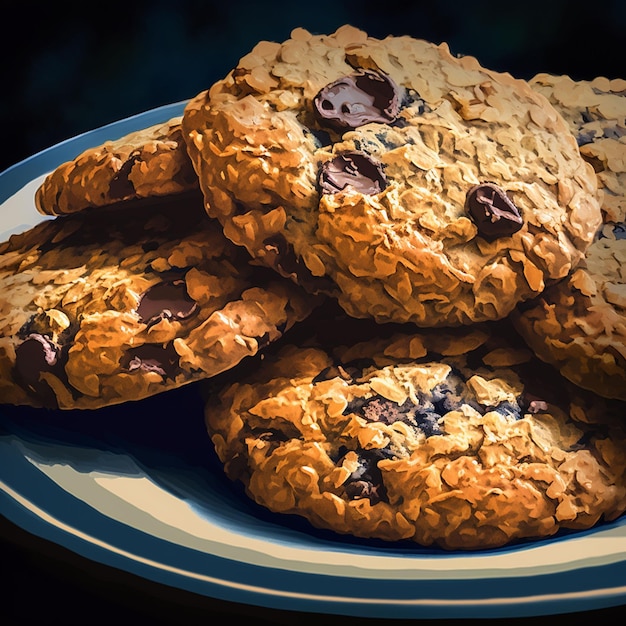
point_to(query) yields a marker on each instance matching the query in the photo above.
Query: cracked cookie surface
(96, 310)
(148, 163)
(345, 162)
(458, 439)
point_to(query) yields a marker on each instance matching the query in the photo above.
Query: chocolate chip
(166, 300)
(356, 170)
(37, 354)
(153, 358)
(358, 99)
(493, 211)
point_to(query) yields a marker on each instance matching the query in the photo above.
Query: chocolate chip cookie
(96, 310)
(411, 184)
(596, 113)
(458, 438)
(147, 163)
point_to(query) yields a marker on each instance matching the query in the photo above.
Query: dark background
(70, 67)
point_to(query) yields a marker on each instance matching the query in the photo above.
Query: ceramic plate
(137, 487)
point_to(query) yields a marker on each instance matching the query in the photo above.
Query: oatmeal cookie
(96, 310)
(458, 438)
(147, 163)
(412, 185)
(579, 324)
(596, 113)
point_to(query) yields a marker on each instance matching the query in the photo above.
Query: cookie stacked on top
(430, 257)
(132, 290)
(410, 184)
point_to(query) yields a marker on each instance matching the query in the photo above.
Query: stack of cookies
(424, 257)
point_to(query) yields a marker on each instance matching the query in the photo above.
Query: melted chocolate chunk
(37, 354)
(358, 99)
(352, 169)
(153, 358)
(166, 300)
(493, 211)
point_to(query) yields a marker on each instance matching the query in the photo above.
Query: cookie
(579, 324)
(596, 113)
(410, 184)
(147, 163)
(96, 310)
(457, 438)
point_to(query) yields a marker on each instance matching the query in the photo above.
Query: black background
(70, 67)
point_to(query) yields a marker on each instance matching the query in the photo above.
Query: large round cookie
(596, 113)
(148, 163)
(411, 184)
(96, 310)
(455, 439)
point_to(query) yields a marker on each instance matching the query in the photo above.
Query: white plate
(137, 487)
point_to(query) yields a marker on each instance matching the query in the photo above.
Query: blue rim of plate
(74, 492)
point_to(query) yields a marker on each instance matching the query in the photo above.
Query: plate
(138, 487)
